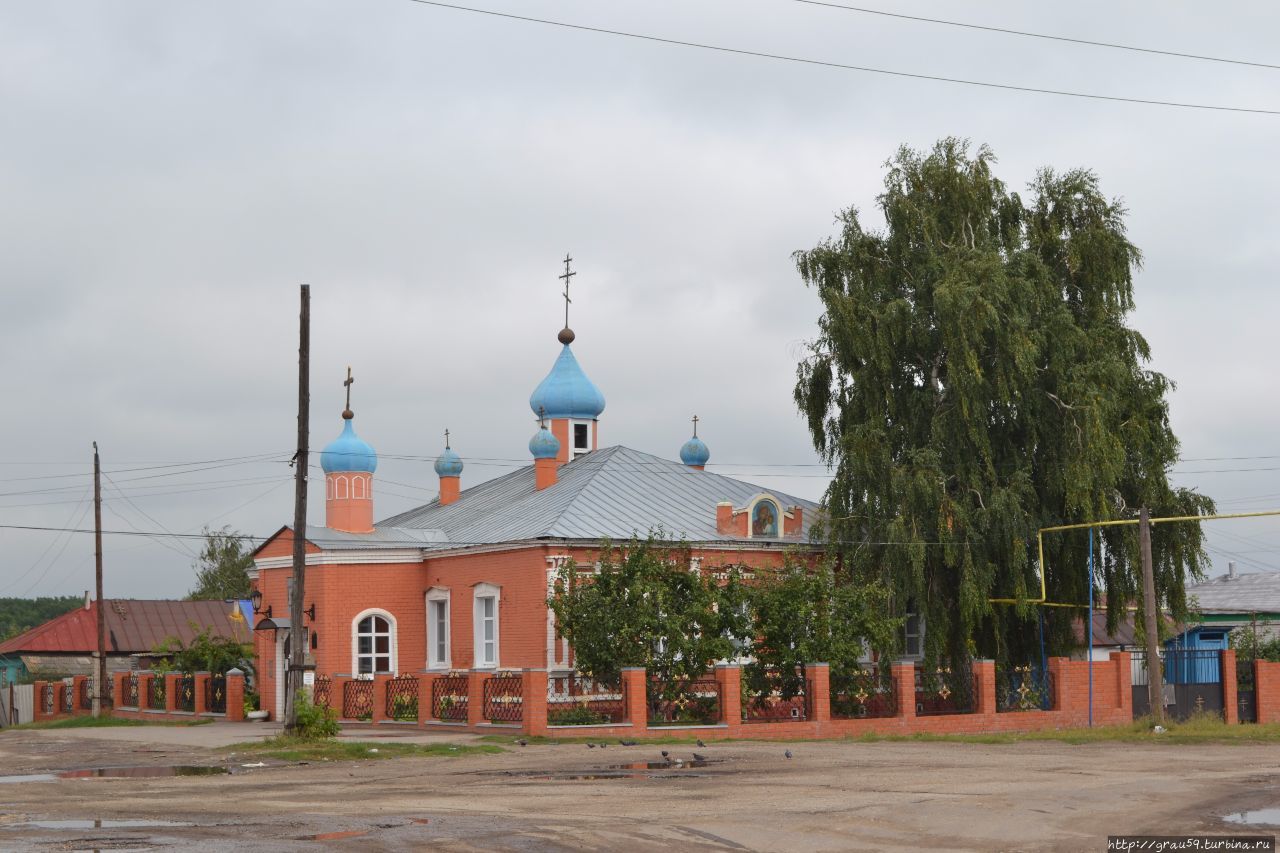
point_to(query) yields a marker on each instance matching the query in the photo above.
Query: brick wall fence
(144, 695)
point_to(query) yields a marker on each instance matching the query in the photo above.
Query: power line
(1026, 34)
(840, 65)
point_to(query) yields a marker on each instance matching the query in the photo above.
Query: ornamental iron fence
(863, 693)
(321, 692)
(131, 689)
(156, 693)
(1246, 692)
(504, 698)
(1024, 688)
(186, 698)
(574, 699)
(770, 695)
(86, 694)
(449, 698)
(944, 690)
(215, 694)
(68, 698)
(357, 699)
(402, 699)
(46, 698)
(684, 702)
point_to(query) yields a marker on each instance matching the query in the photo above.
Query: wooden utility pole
(100, 668)
(298, 631)
(1150, 611)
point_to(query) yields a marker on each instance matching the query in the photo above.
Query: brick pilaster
(1063, 696)
(171, 691)
(533, 713)
(819, 688)
(636, 682)
(904, 685)
(475, 696)
(380, 697)
(1124, 682)
(235, 695)
(729, 677)
(198, 681)
(984, 685)
(425, 709)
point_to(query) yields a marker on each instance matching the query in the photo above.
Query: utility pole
(100, 673)
(1150, 608)
(298, 631)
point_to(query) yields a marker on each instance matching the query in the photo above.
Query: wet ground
(122, 793)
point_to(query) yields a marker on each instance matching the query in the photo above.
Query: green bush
(315, 722)
(404, 708)
(578, 715)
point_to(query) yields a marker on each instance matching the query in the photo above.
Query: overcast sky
(170, 173)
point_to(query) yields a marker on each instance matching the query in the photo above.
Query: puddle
(94, 824)
(31, 777)
(1259, 817)
(331, 836)
(143, 772)
(632, 770)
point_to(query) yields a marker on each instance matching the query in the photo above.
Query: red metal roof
(133, 625)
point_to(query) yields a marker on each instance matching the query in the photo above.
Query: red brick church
(462, 582)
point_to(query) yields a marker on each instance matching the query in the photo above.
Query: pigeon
(666, 754)
(523, 742)
(627, 742)
(787, 753)
(701, 745)
(699, 757)
(590, 745)
(603, 745)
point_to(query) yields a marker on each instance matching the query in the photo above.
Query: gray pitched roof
(611, 493)
(1257, 592)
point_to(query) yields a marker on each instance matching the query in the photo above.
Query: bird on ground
(701, 744)
(523, 742)
(787, 753)
(603, 745)
(590, 745)
(666, 754)
(699, 757)
(627, 742)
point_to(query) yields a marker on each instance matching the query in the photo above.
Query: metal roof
(612, 493)
(1257, 592)
(132, 625)
(382, 537)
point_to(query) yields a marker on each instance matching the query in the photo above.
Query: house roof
(613, 493)
(1257, 592)
(132, 626)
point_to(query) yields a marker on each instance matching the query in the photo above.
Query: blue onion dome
(695, 452)
(567, 392)
(544, 445)
(348, 452)
(449, 463)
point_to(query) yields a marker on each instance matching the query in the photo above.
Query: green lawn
(296, 749)
(107, 722)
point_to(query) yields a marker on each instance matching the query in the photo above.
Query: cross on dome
(566, 334)
(347, 414)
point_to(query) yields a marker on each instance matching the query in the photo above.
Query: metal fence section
(69, 697)
(771, 696)
(449, 698)
(402, 699)
(156, 693)
(215, 694)
(574, 699)
(46, 699)
(357, 699)
(1246, 692)
(186, 698)
(944, 690)
(87, 690)
(131, 689)
(1192, 682)
(684, 702)
(1024, 688)
(21, 703)
(863, 693)
(504, 698)
(322, 692)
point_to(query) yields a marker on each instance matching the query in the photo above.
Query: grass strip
(299, 749)
(106, 722)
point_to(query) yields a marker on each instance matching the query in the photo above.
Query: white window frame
(480, 592)
(918, 654)
(439, 595)
(574, 450)
(391, 645)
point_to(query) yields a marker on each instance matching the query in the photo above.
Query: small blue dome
(695, 452)
(544, 445)
(348, 452)
(449, 464)
(567, 392)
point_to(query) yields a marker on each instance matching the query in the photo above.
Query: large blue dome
(348, 452)
(567, 392)
(544, 445)
(449, 464)
(695, 452)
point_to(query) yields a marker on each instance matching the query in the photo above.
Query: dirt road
(835, 796)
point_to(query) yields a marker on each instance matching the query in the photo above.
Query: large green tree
(974, 379)
(222, 567)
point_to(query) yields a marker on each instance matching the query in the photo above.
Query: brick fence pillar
(118, 692)
(533, 701)
(1266, 687)
(171, 691)
(380, 698)
(475, 696)
(636, 687)
(426, 710)
(198, 681)
(1227, 668)
(338, 695)
(77, 688)
(1124, 683)
(235, 695)
(37, 701)
(904, 685)
(1064, 697)
(984, 685)
(819, 693)
(729, 677)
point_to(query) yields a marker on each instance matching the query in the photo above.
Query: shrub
(578, 715)
(314, 722)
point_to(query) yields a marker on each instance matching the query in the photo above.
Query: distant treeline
(19, 614)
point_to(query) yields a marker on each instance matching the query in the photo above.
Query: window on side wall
(438, 651)
(581, 439)
(375, 644)
(487, 597)
(913, 635)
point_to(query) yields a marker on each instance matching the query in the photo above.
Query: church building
(462, 582)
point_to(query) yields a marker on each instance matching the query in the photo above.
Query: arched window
(357, 487)
(340, 487)
(373, 643)
(764, 518)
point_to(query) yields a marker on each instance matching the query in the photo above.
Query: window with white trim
(373, 643)
(487, 597)
(913, 635)
(438, 629)
(580, 436)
